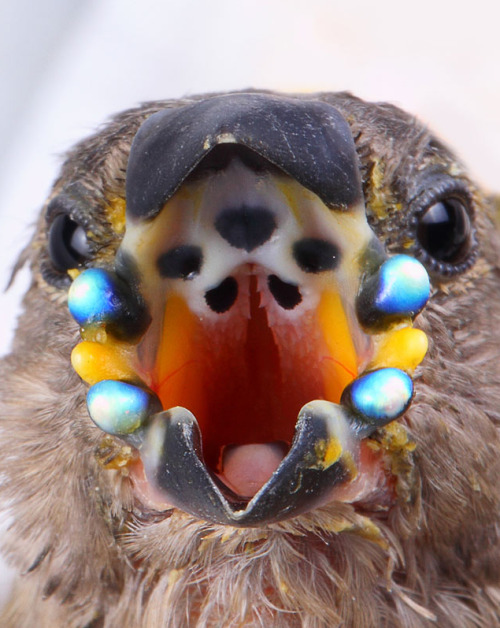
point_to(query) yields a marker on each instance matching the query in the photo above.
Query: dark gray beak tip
(307, 139)
(299, 484)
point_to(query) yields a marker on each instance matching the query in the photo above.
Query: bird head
(219, 404)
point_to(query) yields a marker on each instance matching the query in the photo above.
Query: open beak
(252, 333)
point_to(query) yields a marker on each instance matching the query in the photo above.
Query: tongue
(246, 468)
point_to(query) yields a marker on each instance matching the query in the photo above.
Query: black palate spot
(287, 295)
(314, 255)
(245, 227)
(221, 298)
(182, 262)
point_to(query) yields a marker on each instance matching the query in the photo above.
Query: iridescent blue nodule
(403, 286)
(94, 297)
(117, 407)
(380, 396)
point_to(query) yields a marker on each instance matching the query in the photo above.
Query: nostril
(221, 298)
(287, 295)
(246, 227)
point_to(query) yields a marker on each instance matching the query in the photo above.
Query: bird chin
(252, 344)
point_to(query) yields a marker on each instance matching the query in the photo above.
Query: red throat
(246, 376)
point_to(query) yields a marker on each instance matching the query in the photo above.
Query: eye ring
(443, 230)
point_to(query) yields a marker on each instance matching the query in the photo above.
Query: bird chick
(217, 410)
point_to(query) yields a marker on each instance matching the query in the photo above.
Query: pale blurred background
(66, 65)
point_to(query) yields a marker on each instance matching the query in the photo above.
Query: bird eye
(68, 243)
(444, 231)
(445, 235)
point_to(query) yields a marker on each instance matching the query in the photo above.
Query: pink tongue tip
(246, 468)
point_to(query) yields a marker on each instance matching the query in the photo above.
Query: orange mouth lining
(246, 379)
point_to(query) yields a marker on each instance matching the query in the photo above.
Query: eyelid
(74, 203)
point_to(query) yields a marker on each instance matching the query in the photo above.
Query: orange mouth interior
(244, 379)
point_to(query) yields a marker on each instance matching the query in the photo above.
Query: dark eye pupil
(68, 244)
(444, 231)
